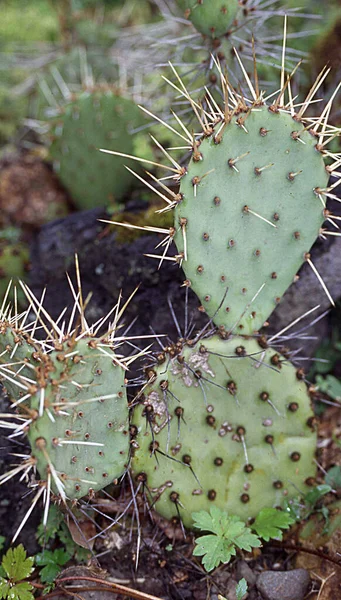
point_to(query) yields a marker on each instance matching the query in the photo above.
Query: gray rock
(244, 571)
(284, 585)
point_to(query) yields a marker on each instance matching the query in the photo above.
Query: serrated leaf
(270, 522)
(16, 563)
(215, 550)
(241, 589)
(230, 533)
(215, 521)
(21, 591)
(52, 563)
(333, 477)
(4, 588)
(247, 540)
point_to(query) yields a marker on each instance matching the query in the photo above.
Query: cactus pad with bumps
(249, 215)
(226, 423)
(210, 17)
(98, 119)
(79, 433)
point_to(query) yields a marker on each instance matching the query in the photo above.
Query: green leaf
(229, 533)
(270, 521)
(333, 477)
(215, 550)
(330, 385)
(312, 497)
(16, 564)
(52, 563)
(4, 588)
(21, 591)
(241, 589)
(2, 542)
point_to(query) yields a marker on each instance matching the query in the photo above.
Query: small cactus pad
(16, 349)
(249, 215)
(99, 119)
(210, 17)
(14, 258)
(79, 434)
(226, 423)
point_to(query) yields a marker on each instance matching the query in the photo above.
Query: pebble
(283, 585)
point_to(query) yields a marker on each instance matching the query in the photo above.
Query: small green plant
(333, 477)
(330, 385)
(52, 563)
(231, 534)
(241, 590)
(57, 529)
(15, 568)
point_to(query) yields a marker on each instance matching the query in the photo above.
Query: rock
(284, 585)
(109, 263)
(244, 572)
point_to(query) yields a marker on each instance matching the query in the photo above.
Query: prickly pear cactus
(14, 258)
(79, 432)
(94, 120)
(69, 394)
(17, 350)
(225, 423)
(210, 17)
(249, 214)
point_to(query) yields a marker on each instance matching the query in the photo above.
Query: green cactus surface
(98, 119)
(249, 214)
(80, 423)
(16, 349)
(225, 423)
(210, 17)
(14, 258)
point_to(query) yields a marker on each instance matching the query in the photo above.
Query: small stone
(284, 585)
(244, 572)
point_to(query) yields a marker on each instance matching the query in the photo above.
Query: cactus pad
(226, 423)
(82, 429)
(210, 17)
(14, 258)
(98, 119)
(251, 213)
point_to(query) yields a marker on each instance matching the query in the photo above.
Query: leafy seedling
(270, 522)
(52, 563)
(16, 567)
(228, 533)
(241, 590)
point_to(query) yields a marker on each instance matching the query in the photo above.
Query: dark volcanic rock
(109, 264)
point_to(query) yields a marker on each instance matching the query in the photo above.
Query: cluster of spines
(53, 389)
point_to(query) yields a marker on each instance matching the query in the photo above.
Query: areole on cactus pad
(225, 423)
